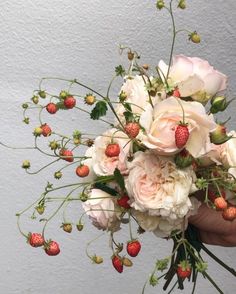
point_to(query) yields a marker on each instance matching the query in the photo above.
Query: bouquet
(163, 147)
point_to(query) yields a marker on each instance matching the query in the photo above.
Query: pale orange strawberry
(220, 203)
(132, 129)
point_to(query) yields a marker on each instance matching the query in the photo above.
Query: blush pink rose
(156, 186)
(101, 209)
(161, 122)
(194, 77)
(103, 165)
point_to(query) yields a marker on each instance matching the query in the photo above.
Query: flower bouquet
(163, 147)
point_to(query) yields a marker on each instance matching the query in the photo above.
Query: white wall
(79, 39)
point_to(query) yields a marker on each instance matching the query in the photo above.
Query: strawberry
(69, 102)
(52, 248)
(82, 171)
(90, 99)
(181, 135)
(176, 93)
(112, 150)
(51, 108)
(133, 248)
(67, 227)
(123, 202)
(35, 239)
(67, 155)
(184, 269)
(132, 129)
(117, 263)
(229, 214)
(46, 130)
(220, 203)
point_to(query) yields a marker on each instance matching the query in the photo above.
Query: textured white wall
(79, 39)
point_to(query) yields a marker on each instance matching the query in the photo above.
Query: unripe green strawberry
(160, 4)
(182, 4)
(37, 131)
(40, 209)
(57, 175)
(25, 105)
(195, 38)
(79, 226)
(183, 159)
(122, 96)
(63, 94)
(54, 145)
(42, 94)
(26, 164)
(35, 99)
(219, 135)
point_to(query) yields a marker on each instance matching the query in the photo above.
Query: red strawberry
(82, 171)
(35, 239)
(176, 93)
(69, 102)
(229, 214)
(112, 150)
(51, 108)
(181, 135)
(132, 129)
(46, 130)
(117, 263)
(123, 201)
(133, 248)
(52, 248)
(67, 155)
(220, 203)
(184, 269)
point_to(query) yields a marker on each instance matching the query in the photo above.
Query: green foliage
(119, 179)
(120, 71)
(99, 110)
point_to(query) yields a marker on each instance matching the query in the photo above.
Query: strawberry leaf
(99, 110)
(105, 188)
(119, 179)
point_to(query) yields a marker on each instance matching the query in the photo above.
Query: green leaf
(105, 188)
(60, 105)
(99, 110)
(120, 71)
(119, 179)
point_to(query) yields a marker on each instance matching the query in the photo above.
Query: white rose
(228, 153)
(104, 165)
(161, 122)
(156, 186)
(101, 209)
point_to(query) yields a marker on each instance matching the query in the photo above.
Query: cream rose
(161, 122)
(194, 77)
(103, 165)
(156, 186)
(228, 154)
(162, 227)
(137, 96)
(101, 209)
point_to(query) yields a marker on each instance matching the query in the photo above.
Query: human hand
(213, 229)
